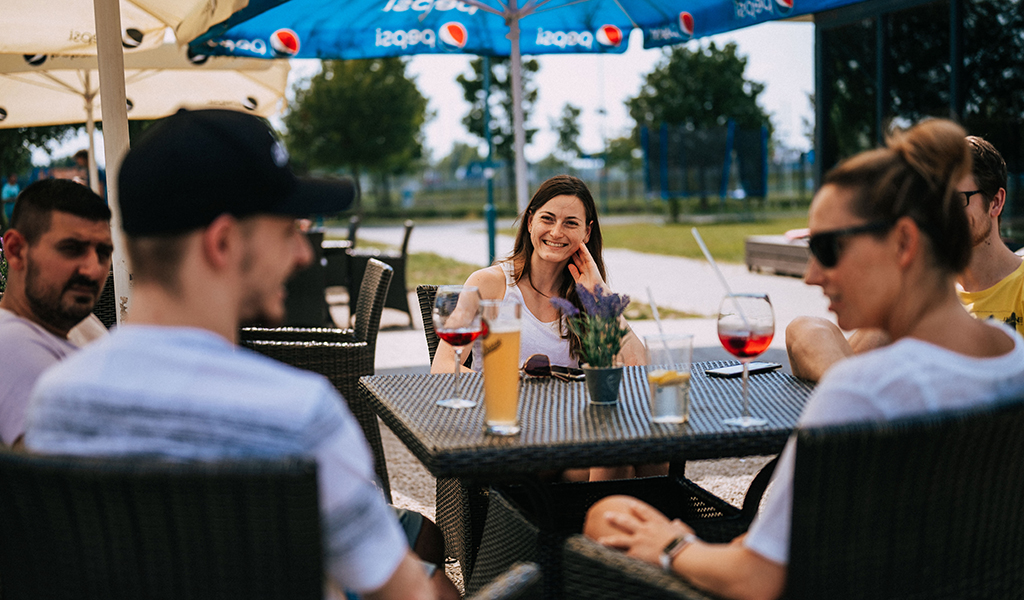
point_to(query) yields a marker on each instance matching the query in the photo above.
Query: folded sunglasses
(539, 365)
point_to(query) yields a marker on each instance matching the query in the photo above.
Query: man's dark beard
(50, 310)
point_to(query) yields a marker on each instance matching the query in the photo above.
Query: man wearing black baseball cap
(209, 205)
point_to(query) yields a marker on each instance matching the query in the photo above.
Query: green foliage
(725, 240)
(568, 129)
(699, 88)
(598, 325)
(461, 155)
(360, 114)
(500, 105)
(16, 144)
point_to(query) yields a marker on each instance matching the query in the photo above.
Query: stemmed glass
(457, 321)
(746, 326)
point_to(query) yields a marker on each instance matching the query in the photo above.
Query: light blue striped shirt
(188, 394)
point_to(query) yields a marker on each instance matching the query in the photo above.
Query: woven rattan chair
(923, 507)
(520, 582)
(398, 296)
(306, 302)
(78, 528)
(106, 306)
(461, 509)
(341, 355)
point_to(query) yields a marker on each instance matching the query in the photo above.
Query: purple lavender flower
(565, 307)
(589, 299)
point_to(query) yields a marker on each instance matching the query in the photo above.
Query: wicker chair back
(82, 528)
(923, 507)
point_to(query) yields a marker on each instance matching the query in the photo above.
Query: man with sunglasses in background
(991, 287)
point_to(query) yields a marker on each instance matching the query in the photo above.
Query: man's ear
(221, 241)
(995, 208)
(15, 249)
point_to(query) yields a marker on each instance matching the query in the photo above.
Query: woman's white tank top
(536, 336)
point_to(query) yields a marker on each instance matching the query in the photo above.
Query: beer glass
(501, 366)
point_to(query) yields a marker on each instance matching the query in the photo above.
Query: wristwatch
(673, 548)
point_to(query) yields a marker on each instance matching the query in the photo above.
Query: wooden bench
(777, 254)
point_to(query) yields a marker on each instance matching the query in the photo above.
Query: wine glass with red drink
(746, 326)
(457, 321)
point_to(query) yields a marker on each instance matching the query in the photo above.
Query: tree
(699, 88)
(501, 108)
(16, 144)
(462, 154)
(568, 129)
(360, 114)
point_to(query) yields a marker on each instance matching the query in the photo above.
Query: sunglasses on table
(825, 245)
(539, 365)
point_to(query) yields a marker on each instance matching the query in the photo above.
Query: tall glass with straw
(746, 326)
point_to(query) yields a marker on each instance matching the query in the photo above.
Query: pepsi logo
(453, 34)
(784, 6)
(609, 35)
(131, 38)
(35, 59)
(686, 23)
(129, 104)
(250, 103)
(284, 42)
(3, 114)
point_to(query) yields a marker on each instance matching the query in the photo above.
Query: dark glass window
(917, 72)
(849, 90)
(993, 89)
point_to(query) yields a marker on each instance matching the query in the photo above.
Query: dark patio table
(561, 429)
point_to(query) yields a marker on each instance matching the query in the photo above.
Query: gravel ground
(412, 486)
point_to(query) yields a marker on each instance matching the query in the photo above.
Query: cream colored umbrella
(105, 28)
(53, 90)
(69, 26)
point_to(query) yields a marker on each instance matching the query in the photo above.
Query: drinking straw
(718, 272)
(657, 319)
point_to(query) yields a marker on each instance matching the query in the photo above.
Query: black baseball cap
(196, 165)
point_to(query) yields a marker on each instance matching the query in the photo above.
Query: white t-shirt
(26, 350)
(905, 378)
(536, 336)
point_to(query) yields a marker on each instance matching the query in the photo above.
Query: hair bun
(936, 149)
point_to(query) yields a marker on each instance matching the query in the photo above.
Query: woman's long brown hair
(559, 185)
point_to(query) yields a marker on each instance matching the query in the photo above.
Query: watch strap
(673, 548)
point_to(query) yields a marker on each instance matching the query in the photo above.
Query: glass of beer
(501, 366)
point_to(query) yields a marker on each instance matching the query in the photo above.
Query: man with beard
(58, 252)
(991, 287)
(209, 207)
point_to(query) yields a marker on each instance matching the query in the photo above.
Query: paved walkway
(681, 283)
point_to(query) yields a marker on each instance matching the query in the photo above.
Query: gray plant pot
(603, 383)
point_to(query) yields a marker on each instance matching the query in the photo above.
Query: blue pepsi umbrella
(348, 29)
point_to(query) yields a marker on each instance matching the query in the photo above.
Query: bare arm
(491, 282)
(633, 351)
(729, 570)
(408, 582)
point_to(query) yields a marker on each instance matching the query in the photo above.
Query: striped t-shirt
(189, 394)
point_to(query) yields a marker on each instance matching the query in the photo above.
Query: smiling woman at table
(557, 247)
(888, 235)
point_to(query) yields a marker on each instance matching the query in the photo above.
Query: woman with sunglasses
(888, 236)
(558, 247)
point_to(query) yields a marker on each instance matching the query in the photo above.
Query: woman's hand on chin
(584, 270)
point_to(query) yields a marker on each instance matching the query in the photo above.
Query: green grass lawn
(724, 240)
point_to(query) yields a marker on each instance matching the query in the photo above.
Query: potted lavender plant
(601, 335)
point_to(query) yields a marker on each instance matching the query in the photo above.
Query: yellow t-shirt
(1003, 301)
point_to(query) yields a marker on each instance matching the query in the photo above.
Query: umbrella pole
(115, 133)
(518, 127)
(90, 130)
